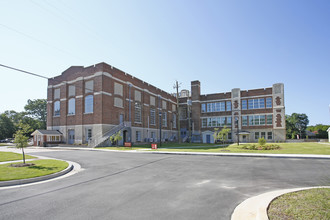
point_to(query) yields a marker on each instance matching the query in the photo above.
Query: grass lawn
(41, 168)
(9, 156)
(306, 204)
(286, 148)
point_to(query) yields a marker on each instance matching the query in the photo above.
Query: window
(89, 86)
(216, 107)
(228, 121)
(244, 120)
(57, 105)
(72, 90)
(256, 103)
(204, 122)
(118, 89)
(222, 106)
(137, 96)
(152, 116)
(228, 105)
(138, 136)
(229, 136)
(268, 102)
(262, 119)
(57, 138)
(152, 100)
(89, 101)
(244, 104)
(137, 113)
(57, 93)
(72, 106)
(263, 135)
(269, 135)
(118, 102)
(203, 108)
(174, 120)
(164, 117)
(256, 135)
(269, 119)
(164, 104)
(183, 113)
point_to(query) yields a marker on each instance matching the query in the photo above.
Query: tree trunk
(23, 155)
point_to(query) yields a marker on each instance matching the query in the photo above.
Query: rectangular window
(214, 122)
(244, 120)
(203, 108)
(228, 105)
(152, 100)
(89, 86)
(152, 116)
(222, 121)
(137, 113)
(72, 90)
(244, 104)
(263, 135)
(118, 102)
(164, 104)
(256, 135)
(72, 106)
(229, 136)
(228, 121)
(118, 89)
(251, 120)
(88, 134)
(222, 106)
(269, 119)
(183, 113)
(209, 107)
(209, 122)
(268, 102)
(174, 120)
(138, 136)
(164, 116)
(89, 102)
(251, 106)
(262, 119)
(262, 103)
(56, 93)
(137, 96)
(204, 122)
(57, 138)
(269, 135)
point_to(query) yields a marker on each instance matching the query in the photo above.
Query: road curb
(39, 178)
(255, 208)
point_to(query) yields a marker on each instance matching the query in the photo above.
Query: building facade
(250, 114)
(89, 104)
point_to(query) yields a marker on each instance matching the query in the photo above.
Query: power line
(23, 71)
(40, 76)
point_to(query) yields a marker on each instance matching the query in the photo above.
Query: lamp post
(236, 121)
(160, 128)
(130, 111)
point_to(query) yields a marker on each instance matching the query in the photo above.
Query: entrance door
(208, 139)
(71, 136)
(244, 138)
(121, 118)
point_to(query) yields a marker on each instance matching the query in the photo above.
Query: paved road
(118, 185)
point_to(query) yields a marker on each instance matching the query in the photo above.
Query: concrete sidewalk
(255, 208)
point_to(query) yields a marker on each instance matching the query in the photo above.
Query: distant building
(45, 137)
(328, 133)
(88, 105)
(253, 113)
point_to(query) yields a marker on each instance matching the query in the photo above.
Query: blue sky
(243, 44)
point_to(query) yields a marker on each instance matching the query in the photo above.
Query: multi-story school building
(89, 104)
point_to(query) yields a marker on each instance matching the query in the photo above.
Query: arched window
(89, 100)
(72, 106)
(57, 105)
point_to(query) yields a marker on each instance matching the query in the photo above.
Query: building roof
(46, 132)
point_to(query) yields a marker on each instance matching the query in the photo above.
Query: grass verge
(304, 205)
(41, 168)
(9, 156)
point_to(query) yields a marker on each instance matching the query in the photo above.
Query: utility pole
(176, 86)
(237, 130)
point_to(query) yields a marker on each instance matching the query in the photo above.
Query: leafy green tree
(262, 141)
(21, 138)
(115, 138)
(7, 128)
(296, 124)
(221, 135)
(37, 109)
(320, 130)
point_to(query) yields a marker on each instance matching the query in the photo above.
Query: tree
(7, 128)
(37, 109)
(21, 138)
(320, 130)
(115, 138)
(221, 135)
(296, 124)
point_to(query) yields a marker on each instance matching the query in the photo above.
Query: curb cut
(255, 208)
(39, 178)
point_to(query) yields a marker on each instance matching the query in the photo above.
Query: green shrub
(262, 141)
(261, 147)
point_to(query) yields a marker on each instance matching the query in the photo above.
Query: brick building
(252, 114)
(89, 104)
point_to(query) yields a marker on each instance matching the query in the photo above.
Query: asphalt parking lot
(117, 185)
